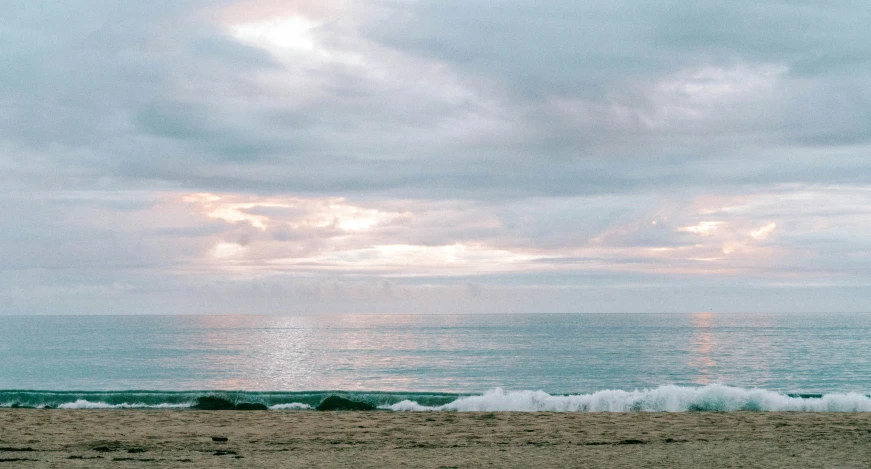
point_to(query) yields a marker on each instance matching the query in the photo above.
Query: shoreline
(33, 438)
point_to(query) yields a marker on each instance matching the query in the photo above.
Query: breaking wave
(712, 398)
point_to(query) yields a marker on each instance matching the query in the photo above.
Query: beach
(35, 438)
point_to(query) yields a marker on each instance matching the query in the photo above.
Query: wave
(135, 399)
(668, 398)
(711, 398)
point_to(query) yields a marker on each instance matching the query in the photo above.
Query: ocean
(533, 362)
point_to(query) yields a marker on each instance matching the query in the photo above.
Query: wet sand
(163, 438)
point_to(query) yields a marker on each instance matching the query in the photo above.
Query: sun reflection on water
(702, 346)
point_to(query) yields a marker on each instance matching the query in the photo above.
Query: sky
(443, 156)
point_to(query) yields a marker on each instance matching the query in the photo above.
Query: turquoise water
(580, 362)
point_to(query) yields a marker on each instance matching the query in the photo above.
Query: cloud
(475, 150)
(554, 99)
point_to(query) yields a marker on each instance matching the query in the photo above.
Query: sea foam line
(291, 406)
(85, 404)
(670, 398)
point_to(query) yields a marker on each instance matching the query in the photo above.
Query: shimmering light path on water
(451, 353)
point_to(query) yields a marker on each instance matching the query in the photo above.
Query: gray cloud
(558, 98)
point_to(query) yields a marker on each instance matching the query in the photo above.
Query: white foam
(291, 406)
(669, 398)
(84, 404)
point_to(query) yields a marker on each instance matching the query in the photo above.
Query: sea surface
(584, 362)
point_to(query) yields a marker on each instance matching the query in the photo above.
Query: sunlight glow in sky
(293, 32)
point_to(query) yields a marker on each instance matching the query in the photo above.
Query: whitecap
(669, 398)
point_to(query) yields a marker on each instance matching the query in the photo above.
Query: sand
(172, 438)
